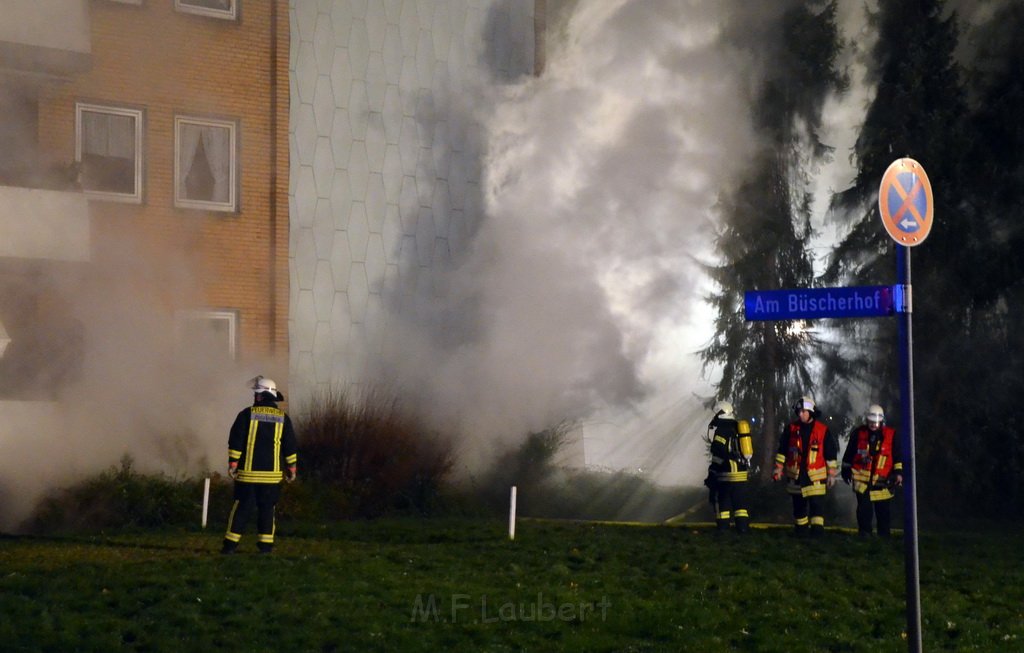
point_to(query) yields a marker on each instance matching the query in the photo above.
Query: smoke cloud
(112, 374)
(579, 296)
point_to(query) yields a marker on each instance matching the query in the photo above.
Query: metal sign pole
(906, 347)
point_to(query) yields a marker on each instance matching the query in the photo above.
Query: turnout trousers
(809, 512)
(732, 504)
(882, 512)
(262, 496)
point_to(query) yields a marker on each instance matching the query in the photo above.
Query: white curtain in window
(94, 132)
(217, 145)
(121, 137)
(188, 142)
(105, 134)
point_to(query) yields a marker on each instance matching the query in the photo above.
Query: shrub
(547, 490)
(527, 466)
(118, 498)
(367, 457)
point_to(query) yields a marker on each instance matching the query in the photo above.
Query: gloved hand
(777, 473)
(290, 474)
(233, 469)
(847, 475)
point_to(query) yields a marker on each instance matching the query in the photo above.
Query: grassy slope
(372, 587)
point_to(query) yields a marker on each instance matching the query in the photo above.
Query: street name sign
(817, 303)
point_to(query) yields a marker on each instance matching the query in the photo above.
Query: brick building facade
(170, 119)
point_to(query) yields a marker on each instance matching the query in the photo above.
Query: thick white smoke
(578, 296)
(136, 386)
(581, 284)
(601, 179)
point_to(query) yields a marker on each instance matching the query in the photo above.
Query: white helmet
(725, 408)
(875, 415)
(806, 403)
(261, 384)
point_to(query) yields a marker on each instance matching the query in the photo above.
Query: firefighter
(731, 451)
(872, 464)
(262, 451)
(806, 456)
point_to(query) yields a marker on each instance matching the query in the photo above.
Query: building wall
(165, 62)
(386, 163)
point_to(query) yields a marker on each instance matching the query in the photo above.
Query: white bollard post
(512, 515)
(206, 499)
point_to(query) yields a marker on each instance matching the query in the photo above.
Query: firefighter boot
(742, 518)
(228, 547)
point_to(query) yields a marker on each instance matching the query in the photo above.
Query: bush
(367, 457)
(356, 460)
(119, 498)
(548, 491)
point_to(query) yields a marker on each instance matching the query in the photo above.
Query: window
(4, 339)
(212, 334)
(226, 9)
(108, 145)
(205, 164)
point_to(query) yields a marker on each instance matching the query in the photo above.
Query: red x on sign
(905, 202)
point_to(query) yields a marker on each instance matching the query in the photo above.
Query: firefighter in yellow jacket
(731, 451)
(873, 465)
(806, 456)
(262, 452)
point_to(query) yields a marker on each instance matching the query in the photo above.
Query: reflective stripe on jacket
(807, 468)
(817, 468)
(875, 455)
(261, 439)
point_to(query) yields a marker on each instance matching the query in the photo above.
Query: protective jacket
(871, 458)
(730, 451)
(808, 455)
(262, 442)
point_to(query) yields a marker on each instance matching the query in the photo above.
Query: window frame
(232, 204)
(210, 315)
(139, 115)
(186, 7)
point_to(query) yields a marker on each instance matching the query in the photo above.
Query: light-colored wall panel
(383, 82)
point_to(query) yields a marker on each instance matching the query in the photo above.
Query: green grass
(444, 585)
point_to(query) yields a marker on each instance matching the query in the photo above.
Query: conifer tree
(990, 380)
(918, 111)
(765, 227)
(966, 276)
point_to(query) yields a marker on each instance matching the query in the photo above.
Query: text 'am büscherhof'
(811, 303)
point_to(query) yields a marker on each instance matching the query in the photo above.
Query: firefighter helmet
(262, 384)
(806, 403)
(724, 408)
(874, 416)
